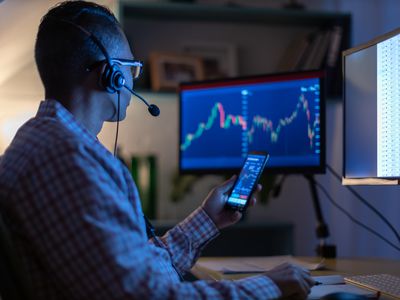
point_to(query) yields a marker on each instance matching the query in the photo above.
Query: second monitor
(282, 114)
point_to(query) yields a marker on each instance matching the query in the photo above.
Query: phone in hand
(247, 181)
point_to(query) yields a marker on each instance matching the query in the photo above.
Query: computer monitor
(282, 114)
(372, 108)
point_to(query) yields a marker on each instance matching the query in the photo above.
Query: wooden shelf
(206, 13)
(260, 36)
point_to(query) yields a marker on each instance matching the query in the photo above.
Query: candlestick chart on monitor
(220, 122)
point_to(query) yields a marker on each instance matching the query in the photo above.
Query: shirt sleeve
(185, 241)
(92, 241)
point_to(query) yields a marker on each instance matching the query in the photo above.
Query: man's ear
(100, 72)
(94, 77)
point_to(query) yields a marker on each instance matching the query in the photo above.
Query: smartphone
(247, 181)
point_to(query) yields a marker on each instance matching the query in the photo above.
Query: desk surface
(340, 266)
(360, 266)
(343, 266)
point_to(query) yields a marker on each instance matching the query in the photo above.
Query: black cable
(278, 187)
(322, 188)
(116, 134)
(149, 226)
(365, 202)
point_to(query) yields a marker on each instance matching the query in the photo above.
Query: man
(72, 207)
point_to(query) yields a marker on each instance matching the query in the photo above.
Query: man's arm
(185, 241)
(92, 240)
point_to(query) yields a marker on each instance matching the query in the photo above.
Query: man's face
(122, 50)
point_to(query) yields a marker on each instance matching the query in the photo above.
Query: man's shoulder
(44, 142)
(39, 138)
(47, 131)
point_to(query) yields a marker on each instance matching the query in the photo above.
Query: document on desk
(336, 284)
(236, 265)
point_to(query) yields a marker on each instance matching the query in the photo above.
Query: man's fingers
(307, 282)
(311, 282)
(253, 201)
(305, 287)
(306, 275)
(235, 217)
(227, 185)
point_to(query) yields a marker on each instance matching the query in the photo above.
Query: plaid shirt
(77, 224)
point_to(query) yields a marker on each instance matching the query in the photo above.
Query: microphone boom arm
(152, 108)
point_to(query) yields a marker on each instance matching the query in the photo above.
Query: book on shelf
(319, 49)
(317, 57)
(333, 65)
(294, 53)
(334, 47)
(311, 51)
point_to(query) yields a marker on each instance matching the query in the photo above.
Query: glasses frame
(122, 62)
(129, 63)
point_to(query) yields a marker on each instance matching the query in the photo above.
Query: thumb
(236, 217)
(227, 185)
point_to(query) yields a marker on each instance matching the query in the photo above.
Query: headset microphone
(152, 108)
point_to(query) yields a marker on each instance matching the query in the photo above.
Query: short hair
(63, 51)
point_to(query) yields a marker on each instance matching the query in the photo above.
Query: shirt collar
(54, 109)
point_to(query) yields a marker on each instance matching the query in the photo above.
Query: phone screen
(247, 180)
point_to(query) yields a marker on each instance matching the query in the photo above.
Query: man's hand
(293, 281)
(214, 204)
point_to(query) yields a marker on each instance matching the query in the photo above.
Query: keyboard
(383, 283)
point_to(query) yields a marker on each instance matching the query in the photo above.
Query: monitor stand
(323, 249)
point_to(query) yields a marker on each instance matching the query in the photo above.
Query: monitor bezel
(346, 53)
(272, 77)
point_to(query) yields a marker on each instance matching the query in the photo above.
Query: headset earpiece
(112, 78)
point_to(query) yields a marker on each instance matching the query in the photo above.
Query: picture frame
(168, 69)
(219, 59)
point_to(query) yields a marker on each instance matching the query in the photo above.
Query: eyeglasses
(136, 66)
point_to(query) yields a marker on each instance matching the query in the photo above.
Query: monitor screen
(372, 108)
(281, 114)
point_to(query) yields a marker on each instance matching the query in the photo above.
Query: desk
(342, 266)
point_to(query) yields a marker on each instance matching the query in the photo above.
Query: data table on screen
(388, 107)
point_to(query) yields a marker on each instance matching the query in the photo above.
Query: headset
(112, 78)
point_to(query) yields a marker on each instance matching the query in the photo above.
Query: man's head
(66, 54)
